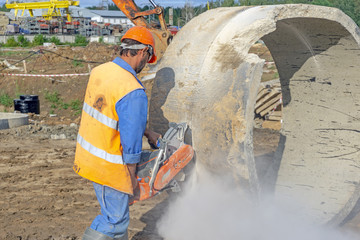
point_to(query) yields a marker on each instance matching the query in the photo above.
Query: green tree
(113, 7)
(184, 14)
(228, 3)
(4, 9)
(350, 7)
(322, 3)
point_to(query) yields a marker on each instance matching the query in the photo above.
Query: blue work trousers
(114, 218)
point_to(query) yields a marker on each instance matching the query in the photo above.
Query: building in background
(112, 17)
(85, 21)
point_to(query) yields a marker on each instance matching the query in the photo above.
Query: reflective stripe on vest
(99, 152)
(111, 123)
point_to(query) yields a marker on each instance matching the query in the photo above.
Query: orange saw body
(158, 169)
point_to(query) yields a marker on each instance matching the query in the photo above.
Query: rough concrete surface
(12, 120)
(316, 51)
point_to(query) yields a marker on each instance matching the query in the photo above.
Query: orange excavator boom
(162, 36)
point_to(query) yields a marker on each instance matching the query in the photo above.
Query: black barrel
(27, 104)
(29, 97)
(17, 104)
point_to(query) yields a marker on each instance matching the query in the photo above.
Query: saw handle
(157, 146)
(158, 161)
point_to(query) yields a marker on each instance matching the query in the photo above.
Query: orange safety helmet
(142, 35)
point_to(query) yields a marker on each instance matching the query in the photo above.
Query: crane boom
(53, 7)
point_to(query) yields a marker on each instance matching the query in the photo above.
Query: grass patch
(18, 93)
(6, 100)
(77, 63)
(39, 40)
(53, 97)
(22, 41)
(76, 105)
(55, 40)
(276, 75)
(58, 103)
(80, 40)
(11, 42)
(8, 53)
(65, 105)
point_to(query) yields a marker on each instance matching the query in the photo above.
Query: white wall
(97, 19)
(106, 39)
(62, 38)
(122, 20)
(68, 38)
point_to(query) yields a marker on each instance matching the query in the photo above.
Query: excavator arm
(162, 36)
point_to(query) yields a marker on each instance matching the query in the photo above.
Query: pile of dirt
(99, 52)
(76, 58)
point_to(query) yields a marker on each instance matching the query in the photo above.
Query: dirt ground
(42, 198)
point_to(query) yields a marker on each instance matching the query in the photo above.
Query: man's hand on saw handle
(152, 136)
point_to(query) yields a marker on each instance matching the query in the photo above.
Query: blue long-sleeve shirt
(132, 113)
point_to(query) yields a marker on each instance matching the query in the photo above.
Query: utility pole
(149, 17)
(186, 11)
(104, 5)
(171, 16)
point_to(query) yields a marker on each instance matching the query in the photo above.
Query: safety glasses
(139, 46)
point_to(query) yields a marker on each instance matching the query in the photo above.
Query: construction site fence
(67, 38)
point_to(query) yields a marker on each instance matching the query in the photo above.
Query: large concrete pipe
(208, 79)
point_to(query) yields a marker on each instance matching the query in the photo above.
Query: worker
(113, 123)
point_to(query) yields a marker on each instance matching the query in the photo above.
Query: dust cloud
(210, 209)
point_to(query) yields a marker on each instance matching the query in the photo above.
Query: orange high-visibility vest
(98, 154)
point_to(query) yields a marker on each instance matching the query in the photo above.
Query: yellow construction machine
(53, 7)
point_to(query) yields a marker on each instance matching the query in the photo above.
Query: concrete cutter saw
(159, 170)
